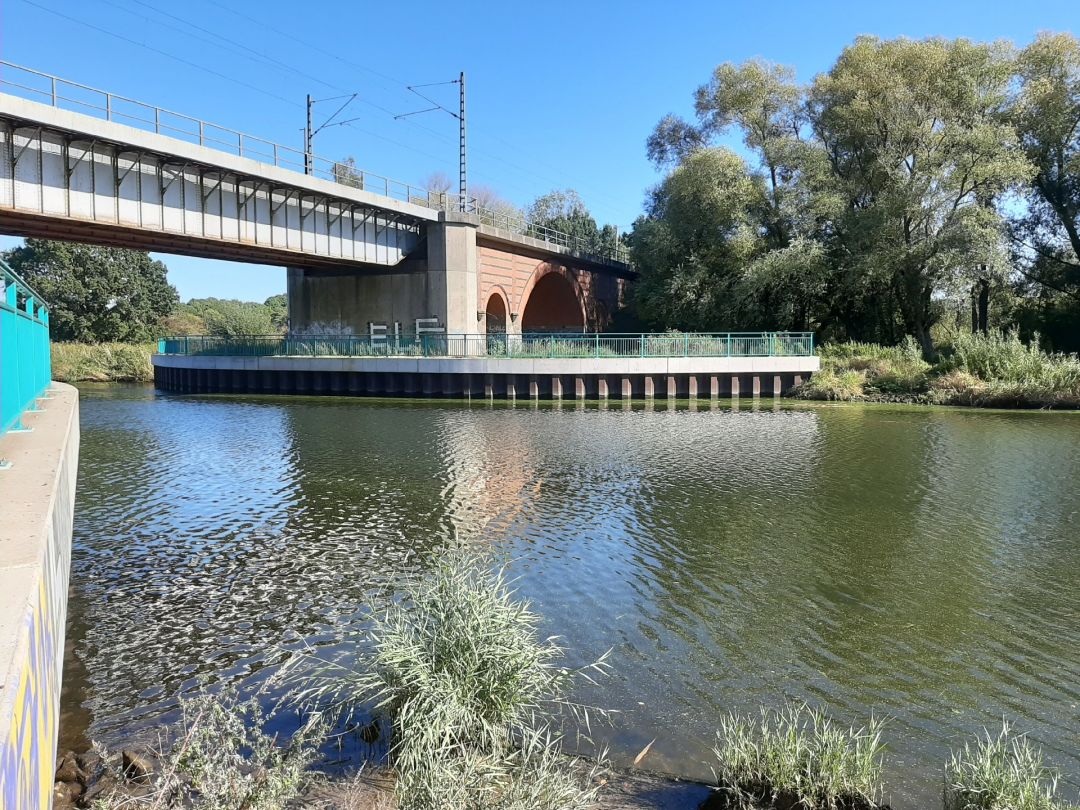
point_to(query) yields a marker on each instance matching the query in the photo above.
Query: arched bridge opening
(553, 306)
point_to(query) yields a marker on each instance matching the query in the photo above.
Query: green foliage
(564, 211)
(278, 307)
(458, 668)
(222, 759)
(831, 384)
(230, 318)
(1002, 772)
(797, 756)
(96, 294)
(1046, 234)
(102, 362)
(870, 194)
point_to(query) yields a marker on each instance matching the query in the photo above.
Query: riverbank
(87, 778)
(987, 371)
(102, 362)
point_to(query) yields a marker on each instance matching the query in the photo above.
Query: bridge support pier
(602, 388)
(735, 387)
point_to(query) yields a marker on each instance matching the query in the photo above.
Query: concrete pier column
(777, 387)
(556, 387)
(411, 384)
(627, 389)
(757, 386)
(691, 387)
(734, 387)
(489, 386)
(579, 387)
(672, 387)
(428, 384)
(452, 260)
(798, 379)
(511, 387)
(650, 387)
(534, 387)
(601, 388)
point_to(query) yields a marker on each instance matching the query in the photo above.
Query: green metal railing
(25, 365)
(535, 345)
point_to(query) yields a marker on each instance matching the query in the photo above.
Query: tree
(278, 306)
(564, 211)
(346, 173)
(915, 137)
(1045, 228)
(231, 318)
(882, 173)
(96, 294)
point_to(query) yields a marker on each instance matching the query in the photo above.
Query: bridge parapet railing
(529, 345)
(25, 364)
(76, 97)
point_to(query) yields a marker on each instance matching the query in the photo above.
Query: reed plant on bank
(797, 757)
(219, 758)
(456, 665)
(1000, 772)
(102, 362)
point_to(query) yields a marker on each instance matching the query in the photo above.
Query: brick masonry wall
(513, 276)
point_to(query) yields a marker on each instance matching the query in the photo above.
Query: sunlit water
(920, 564)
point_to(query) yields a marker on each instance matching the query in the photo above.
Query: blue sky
(560, 94)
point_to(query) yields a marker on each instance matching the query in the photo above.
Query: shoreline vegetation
(976, 370)
(471, 705)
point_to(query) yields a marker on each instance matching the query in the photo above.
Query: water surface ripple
(915, 563)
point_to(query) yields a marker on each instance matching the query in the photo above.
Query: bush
(102, 362)
(1005, 358)
(798, 757)
(238, 319)
(222, 759)
(1005, 772)
(457, 667)
(830, 384)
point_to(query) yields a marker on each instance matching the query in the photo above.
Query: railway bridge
(363, 252)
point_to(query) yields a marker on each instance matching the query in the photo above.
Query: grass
(455, 663)
(1000, 772)
(102, 362)
(221, 759)
(798, 757)
(996, 370)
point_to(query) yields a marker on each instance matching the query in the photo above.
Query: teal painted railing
(25, 364)
(535, 345)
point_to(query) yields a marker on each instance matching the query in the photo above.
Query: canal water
(919, 564)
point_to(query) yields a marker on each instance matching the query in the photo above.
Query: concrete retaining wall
(512, 378)
(37, 502)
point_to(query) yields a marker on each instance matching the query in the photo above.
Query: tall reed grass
(1000, 772)
(102, 362)
(456, 664)
(798, 757)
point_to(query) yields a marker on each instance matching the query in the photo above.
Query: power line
(160, 52)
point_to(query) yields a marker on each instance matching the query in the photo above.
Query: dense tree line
(103, 295)
(912, 185)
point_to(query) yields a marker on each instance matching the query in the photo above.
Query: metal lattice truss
(61, 184)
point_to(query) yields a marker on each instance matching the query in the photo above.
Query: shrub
(222, 759)
(457, 667)
(1003, 772)
(1004, 357)
(238, 318)
(797, 756)
(102, 362)
(833, 385)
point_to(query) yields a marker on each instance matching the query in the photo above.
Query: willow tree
(1046, 114)
(915, 139)
(874, 186)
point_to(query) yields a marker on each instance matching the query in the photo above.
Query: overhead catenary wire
(262, 58)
